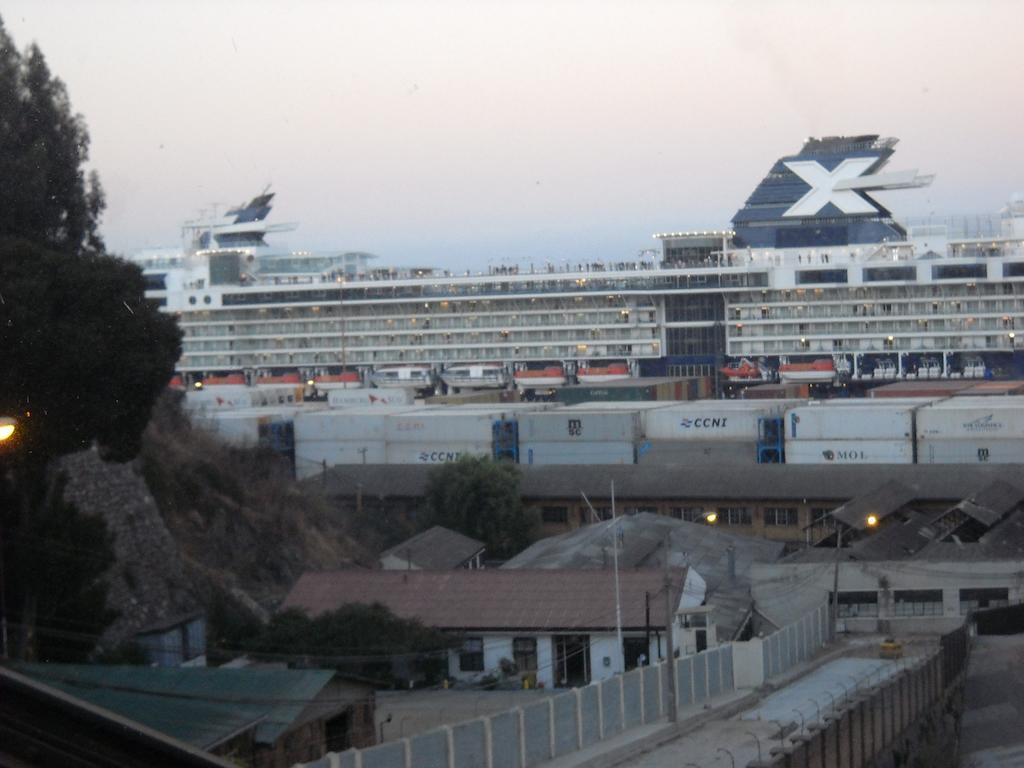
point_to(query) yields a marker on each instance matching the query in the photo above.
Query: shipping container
(978, 450)
(934, 389)
(220, 397)
(578, 425)
(541, 453)
(776, 392)
(989, 388)
(357, 423)
(850, 451)
(436, 452)
(705, 420)
(312, 456)
(444, 425)
(697, 453)
(971, 418)
(343, 398)
(868, 421)
(632, 390)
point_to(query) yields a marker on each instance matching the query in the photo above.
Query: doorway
(572, 660)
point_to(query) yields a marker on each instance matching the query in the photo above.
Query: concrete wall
(530, 735)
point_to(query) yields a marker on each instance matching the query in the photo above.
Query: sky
(471, 134)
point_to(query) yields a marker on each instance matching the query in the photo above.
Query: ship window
(811, 276)
(958, 271)
(879, 274)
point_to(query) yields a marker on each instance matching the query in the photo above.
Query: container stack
(579, 436)
(971, 430)
(439, 435)
(852, 432)
(348, 436)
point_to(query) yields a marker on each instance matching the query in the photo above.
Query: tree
(480, 498)
(368, 640)
(83, 354)
(46, 195)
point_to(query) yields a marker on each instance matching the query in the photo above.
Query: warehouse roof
(642, 543)
(436, 548)
(814, 482)
(881, 502)
(523, 600)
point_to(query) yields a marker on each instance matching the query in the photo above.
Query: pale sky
(462, 134)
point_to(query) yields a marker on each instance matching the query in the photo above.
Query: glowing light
(711, 518)
(872, 521)
(8, 427)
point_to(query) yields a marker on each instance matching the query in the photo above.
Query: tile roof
(525, 600)
(199, 705)
(436, 548)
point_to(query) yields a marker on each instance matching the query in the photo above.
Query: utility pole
(834, 612)
(618, 599)
(669, 622)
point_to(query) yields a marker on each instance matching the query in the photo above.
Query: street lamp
(710, 517)
(8, 433)
(8, 428)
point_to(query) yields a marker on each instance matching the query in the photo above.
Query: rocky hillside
(195, 521)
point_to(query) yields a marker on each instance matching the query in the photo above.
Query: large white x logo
(823, 185)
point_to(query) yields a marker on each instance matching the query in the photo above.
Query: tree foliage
(46, 195)
(84, 354)
(368, 640)
(480, 498)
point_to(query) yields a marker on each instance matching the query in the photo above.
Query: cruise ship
(815, 280)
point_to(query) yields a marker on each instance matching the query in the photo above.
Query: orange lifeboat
(550, 376)
(814, 372)
(595, 374)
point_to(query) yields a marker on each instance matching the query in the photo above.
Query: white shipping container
(346, 424)
(571, 426)
(444, 424)
(881, 422)
(971, 451)
(218, 397)
(311, 455)
(850, 451)
(343, 398)
(972, 418)
(704, 424)
(438, 452)
(577, 453)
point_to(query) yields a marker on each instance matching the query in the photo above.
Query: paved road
(759, 727)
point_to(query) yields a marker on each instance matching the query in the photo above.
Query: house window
(555, 514)
(524, 653)
(821, 515)
(734, 515)
(780, 516)
(471, 658)
(973, 599)
(855, 604)
(918, 602)
(689, 514)
(640, 510)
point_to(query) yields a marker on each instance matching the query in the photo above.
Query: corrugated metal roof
(476, 600)
(992, 503)
(642, 543)
(201, 706)
(436, 548)
(889, 497)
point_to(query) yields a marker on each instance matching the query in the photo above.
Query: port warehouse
(947, 427)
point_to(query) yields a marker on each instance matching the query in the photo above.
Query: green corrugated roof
(201, 706)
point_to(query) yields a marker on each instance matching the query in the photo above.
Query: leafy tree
(45, 196)
(363, 639)
(480, 498)
(84, 354)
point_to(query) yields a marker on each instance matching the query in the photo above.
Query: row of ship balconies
(891, 343)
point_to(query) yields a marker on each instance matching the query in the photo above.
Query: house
(435, 549)
(176, 641)
(722, 611)
(907, 569)
(265, 718)
(557, 626)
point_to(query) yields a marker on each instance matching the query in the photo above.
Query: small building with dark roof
(558, 625)
(266, 718)
(435, 549)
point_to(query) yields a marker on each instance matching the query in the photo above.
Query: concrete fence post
(622, 701)
(579, 717)
(600, 711)
(662, 668)
(521, 718)
(551, 726)
(488, 745)
(639, 671)
(449, 738)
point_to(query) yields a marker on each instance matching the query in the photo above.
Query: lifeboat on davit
(476, 376)
(232, 379)
(814, 372)
(744, 370)
(601, 374)
(549, 376)
(284, 379)
(176, 382)
(407, 376)
(343, 380)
